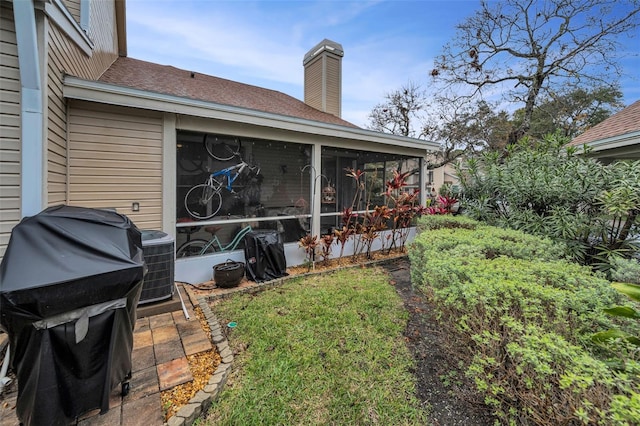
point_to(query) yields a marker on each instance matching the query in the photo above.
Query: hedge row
(526, 316)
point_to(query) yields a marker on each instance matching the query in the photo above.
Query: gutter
(32, 137)
(619, 141)
(95, 91)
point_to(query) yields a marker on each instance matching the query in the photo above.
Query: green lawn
(319, 350)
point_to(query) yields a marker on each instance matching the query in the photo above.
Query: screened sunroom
(228, 185)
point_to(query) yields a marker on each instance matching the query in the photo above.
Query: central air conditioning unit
(159, 255)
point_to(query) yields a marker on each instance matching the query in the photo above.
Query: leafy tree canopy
(572, 112)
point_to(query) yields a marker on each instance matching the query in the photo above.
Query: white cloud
(207, 39)
(387, 43)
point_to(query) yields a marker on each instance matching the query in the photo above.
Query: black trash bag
(70, 282)
(264, 255)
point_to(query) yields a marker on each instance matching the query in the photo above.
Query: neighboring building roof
(147, 76)
(622, 123)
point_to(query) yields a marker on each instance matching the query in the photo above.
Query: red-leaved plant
(326, 244)
(309, 243)
(406, 206)
(444, 205)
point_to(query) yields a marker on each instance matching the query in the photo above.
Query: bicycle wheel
(222, 151)
(190, 165)
(195, 248)
(203, 201)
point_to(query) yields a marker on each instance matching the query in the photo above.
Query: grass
(319, 350)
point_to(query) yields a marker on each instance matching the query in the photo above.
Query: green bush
(491, 241)
(445, 221)
(526, 316)
(625, 270)
(544, 188)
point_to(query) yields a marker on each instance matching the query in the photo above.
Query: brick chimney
(323, 77)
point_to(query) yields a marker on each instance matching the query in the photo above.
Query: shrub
(445, 221)
(525, 316)
(456, 230)
(544, 188)
(625, 270)
(549, 381)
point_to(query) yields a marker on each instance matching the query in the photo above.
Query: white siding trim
(60, 16)
(316, 186)
(198, 269)
(32, 134)
(169, 174)
(619, 141)
(85, 14)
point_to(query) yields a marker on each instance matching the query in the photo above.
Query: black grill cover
(70, 282)
(264, 255)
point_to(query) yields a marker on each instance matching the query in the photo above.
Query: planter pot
(228, 274)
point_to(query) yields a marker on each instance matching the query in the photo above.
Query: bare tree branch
(537, 46)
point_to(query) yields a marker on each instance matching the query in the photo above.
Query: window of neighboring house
(260, 199)
(85, 13)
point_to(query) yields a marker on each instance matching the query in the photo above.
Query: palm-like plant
(309, 243)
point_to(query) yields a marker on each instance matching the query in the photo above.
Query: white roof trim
(60, 16)
(88, 90)
(619, 141)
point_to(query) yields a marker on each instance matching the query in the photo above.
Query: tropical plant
(617, 341)
(373, 223)
(443, 205)
(326, 243)
(404, 208)
(309, 243)
(544, 188)
(401, 208)
(342, 236)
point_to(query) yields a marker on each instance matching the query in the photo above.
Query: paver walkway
(161, 344)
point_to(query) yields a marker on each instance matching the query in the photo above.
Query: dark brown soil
(443, 389)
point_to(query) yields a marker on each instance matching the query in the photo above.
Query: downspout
(31, 124)
(32, 147)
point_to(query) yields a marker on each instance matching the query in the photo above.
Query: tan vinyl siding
(115, 159)
(103, 34)
(333, 85)
(10, 156)
(64, 57)
(313, 84)
(73, 6)
(322, 83)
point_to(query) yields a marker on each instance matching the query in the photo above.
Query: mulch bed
(434, 352)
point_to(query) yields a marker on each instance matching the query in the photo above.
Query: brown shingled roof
(620, 123)
(137, 74)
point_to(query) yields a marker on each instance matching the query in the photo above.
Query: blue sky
(386, 43)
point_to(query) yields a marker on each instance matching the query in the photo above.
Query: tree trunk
(538, 79)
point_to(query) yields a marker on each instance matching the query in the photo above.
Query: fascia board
(614, 142)
(60, 16)
(76, 88)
